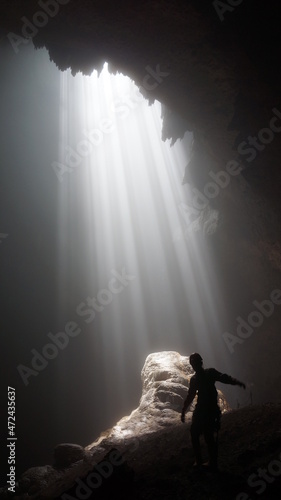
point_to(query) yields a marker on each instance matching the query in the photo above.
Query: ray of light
(120, 209)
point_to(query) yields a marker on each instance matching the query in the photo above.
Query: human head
(196, 361)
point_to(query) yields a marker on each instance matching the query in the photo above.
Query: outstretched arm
(227, 379)
(189, 398)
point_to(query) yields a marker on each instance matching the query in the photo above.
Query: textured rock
(151, 445)
(164, 372)
(224, 80)
(35, 479)
(165, 378)
(165, 382)
(110, 475)
(66, 454)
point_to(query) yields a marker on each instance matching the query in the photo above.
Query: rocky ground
(148, 455)
(162, 465)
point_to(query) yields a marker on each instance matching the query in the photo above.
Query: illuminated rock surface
(148, 454)
(165, 381)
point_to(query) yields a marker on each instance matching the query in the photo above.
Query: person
(206, 416)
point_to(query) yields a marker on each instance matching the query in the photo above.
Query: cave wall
(217, 70)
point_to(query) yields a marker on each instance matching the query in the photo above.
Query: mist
(99, 266)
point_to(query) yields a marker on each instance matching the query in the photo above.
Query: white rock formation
(153, 429)
(165, 382)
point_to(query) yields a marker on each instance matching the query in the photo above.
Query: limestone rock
(165, 382)
(165, 378)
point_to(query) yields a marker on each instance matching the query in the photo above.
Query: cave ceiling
(217, 68)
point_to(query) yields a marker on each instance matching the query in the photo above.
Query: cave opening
(104, 260)
(107, 252)
(124, 211)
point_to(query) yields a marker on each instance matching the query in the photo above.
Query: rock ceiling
(215, 66)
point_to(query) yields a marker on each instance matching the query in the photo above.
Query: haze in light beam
(119, 208)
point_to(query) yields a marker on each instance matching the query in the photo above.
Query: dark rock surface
(160, 465)
(67, 453)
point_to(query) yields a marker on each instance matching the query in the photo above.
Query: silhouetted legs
(204, 424)
(212, 447)
(195, 432)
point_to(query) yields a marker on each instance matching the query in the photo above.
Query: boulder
(67, 453)
(35, 479)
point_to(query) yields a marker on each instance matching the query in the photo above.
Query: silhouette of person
(206, 416)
